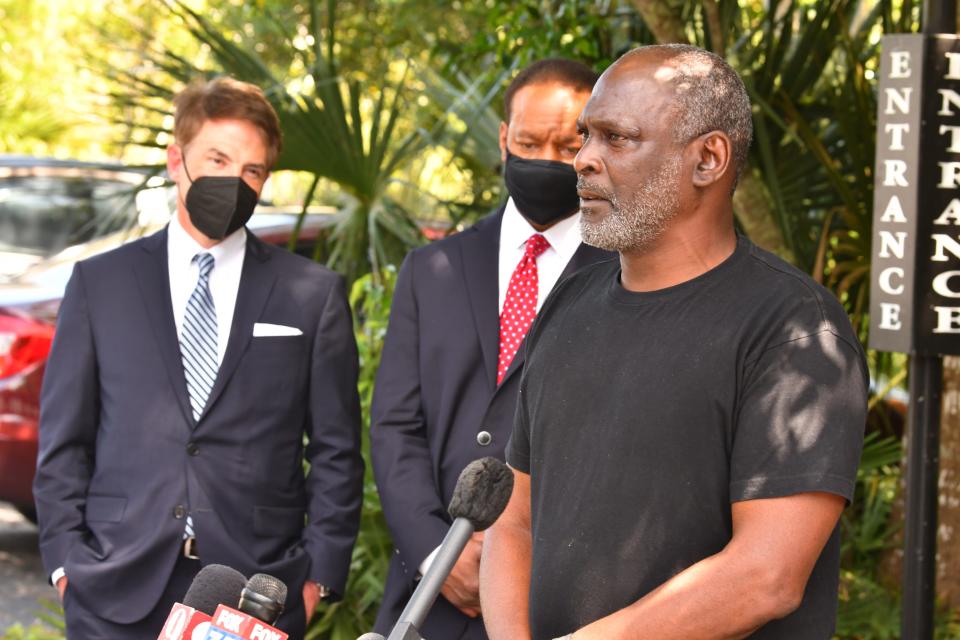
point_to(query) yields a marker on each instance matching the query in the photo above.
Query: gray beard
(634, 225)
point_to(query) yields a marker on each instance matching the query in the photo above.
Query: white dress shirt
(564, 239)
(224, 283)
(224, 279)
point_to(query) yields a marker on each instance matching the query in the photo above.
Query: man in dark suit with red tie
(187, 372)
(446, 390)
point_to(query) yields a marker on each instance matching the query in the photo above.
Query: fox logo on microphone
(230, 624)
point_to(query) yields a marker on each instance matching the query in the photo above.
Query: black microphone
(263, 597)
(213, 585)
(482, 493)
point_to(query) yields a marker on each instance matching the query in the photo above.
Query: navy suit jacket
(121, 456)
(435, 394)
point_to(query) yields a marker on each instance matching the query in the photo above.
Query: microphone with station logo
(214, 585)
(260, 604)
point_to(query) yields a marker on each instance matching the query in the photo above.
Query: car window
(42, 215)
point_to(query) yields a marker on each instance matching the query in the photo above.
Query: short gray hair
(710, 96)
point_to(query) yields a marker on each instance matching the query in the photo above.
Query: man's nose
(586, 160)
(551, 153)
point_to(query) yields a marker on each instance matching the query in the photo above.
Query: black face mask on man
(544, 190)
(219, 205)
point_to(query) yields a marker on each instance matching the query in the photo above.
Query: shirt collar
(564, 236)
(182, 248)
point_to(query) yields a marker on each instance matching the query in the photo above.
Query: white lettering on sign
(941, 284)
(949, 175)
(894, 211)
(260, 632)
(948, 320)
(895, 242)
(893, 174)
(898, 100)
(885, 280)
(951, 212)
(229, 620)
(953, 65)
(896, 131)
(890, 316)
(899, 64)
(948, 97)
(943, 241)
(954, 137)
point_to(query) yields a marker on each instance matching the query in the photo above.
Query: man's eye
(528, 145)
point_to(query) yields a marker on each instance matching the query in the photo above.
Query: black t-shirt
(642, 416)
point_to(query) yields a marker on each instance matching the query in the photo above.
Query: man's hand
(462, 586)
(311, 598)
(62, 587)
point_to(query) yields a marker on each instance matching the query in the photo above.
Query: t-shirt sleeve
(801, 419)
(518, 447)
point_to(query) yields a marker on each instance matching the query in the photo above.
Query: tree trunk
(663, 19)
(948, 531)
(755, 215)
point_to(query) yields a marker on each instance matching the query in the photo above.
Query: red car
(52, 214)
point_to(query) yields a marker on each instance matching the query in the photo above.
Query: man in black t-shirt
(691, 416)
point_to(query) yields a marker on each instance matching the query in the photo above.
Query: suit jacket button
(193, 449)
(179, 512)
(484, 438)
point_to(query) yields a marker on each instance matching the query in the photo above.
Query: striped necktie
(198, 347)
(198, 339)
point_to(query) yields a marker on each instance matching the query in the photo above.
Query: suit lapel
(153, 277)
(480, 252)
(256, 283)
(583, 256)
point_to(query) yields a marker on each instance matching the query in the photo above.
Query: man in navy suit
(188, 371)
(447, 386)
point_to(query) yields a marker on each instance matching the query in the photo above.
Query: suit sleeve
(335, 478)
(69, 416)
(399, 443)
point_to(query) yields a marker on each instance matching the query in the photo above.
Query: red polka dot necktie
(520, 306)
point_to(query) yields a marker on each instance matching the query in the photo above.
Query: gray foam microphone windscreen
(215, 584)
(482, 492)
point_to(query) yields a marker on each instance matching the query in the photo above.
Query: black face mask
(544, 190)
(219, 205)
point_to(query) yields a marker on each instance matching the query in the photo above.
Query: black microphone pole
(430, 584)
(482, 493)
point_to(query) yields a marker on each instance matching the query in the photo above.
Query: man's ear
(503, 141)
(713, 154)
(174, 161)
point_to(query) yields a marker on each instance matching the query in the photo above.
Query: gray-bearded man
(691, 416)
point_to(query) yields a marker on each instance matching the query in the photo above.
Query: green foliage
(595, 32)
(354, 615)
(51, 627)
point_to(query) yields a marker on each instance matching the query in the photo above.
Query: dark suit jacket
(435, 393)
(121, 456)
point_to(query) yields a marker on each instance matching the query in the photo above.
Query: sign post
(915, 271)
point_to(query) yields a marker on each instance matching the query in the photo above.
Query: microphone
(213, 585)
(261, 602)
(482, 493)
(263, 597)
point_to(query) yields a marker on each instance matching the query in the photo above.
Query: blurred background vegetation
(390, 110)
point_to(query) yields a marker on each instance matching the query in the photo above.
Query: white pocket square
(264, 329)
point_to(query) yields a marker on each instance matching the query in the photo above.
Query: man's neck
(184, 219)
(681, 253)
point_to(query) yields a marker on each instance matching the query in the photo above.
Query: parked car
(53, 214)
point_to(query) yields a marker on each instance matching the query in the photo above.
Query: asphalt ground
(22, 579)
